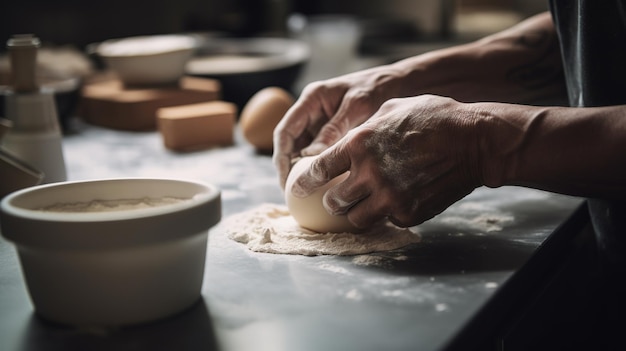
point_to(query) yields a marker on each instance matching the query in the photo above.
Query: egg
(261, 114)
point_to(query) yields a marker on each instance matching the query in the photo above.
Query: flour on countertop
(476, 216)
(486, 223)
(270, 228)
(370, 260)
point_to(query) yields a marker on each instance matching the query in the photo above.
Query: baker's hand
(327, 110)
(410, 161)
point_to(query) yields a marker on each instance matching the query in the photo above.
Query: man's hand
(327, 110)
(410, 161)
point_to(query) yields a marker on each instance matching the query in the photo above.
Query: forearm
(575, 151)
(519, 65)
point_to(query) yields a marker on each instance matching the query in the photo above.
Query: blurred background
(341, 36)
(79, 22)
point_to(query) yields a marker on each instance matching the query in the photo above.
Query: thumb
(321, 170)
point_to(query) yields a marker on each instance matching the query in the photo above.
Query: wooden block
(200, 84)
(108, 103)
(196, 126)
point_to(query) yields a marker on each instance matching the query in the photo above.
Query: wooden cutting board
(106, 102)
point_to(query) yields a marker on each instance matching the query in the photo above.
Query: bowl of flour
(111, 252)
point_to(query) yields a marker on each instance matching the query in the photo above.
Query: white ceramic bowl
(144, 60)
(130, 264)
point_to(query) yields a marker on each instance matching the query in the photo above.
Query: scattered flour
(270, 228)
(354, 294)
(369, 260)
(485, 223)
(379, 261)
(476, 216)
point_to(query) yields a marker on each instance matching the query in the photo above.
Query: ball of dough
(261, 114)
(309, 211)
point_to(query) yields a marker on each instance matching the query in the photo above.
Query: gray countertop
(417, 298)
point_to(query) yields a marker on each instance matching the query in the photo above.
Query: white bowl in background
(144, 60)
(139, 256)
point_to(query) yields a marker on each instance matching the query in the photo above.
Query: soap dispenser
(36, 136)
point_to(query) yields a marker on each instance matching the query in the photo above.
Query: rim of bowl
(96, 230)
(182, 43)
(261, 54)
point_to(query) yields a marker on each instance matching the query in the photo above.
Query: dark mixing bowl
(246, 65)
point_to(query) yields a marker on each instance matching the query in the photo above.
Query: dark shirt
(592, 36)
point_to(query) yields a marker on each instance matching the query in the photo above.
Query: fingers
(289, 136)
(375, 208)
(365, 214)
(283, 147)
(330, 133)
(355, 107)
(328, 165)
(324, 113)
(302, 122)
(339, 199)
(402, 165)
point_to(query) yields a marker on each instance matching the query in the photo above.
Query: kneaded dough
(309, 211)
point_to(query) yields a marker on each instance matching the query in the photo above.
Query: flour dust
(270, 228)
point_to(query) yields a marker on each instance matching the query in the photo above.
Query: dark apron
(593, 44)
